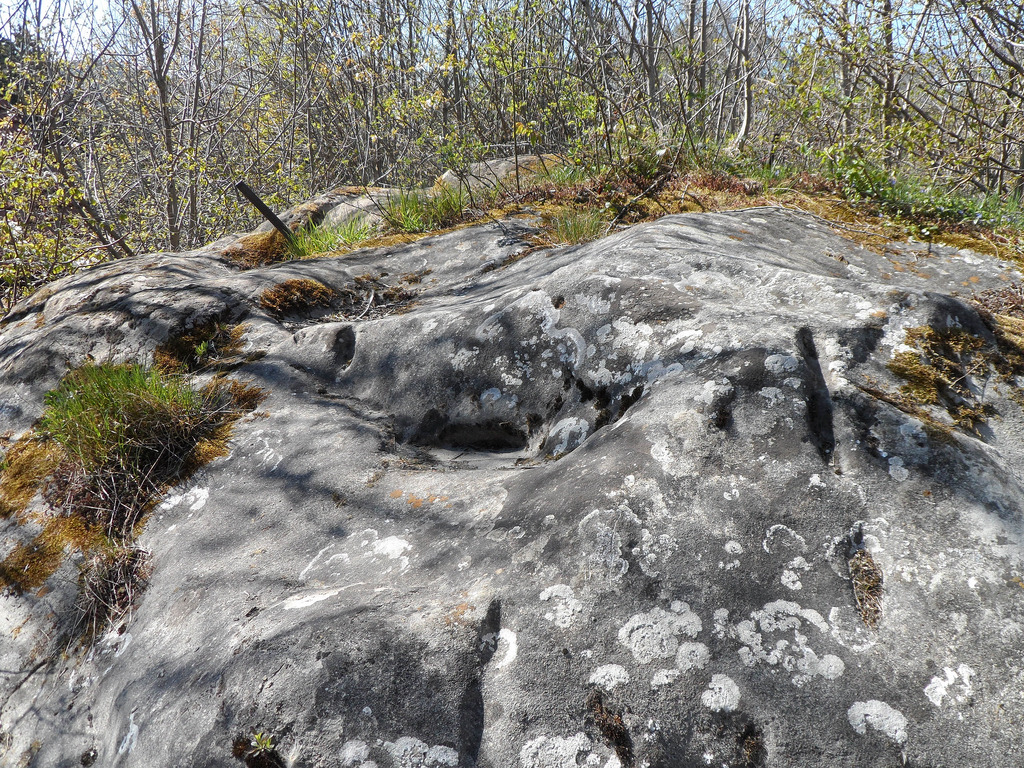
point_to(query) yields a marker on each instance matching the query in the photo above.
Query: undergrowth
(112, 439)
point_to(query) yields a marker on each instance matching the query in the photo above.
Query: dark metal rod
(268, 214)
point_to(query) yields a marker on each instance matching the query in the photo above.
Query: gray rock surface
(589, 507)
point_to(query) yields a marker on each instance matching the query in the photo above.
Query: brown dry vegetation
(296, 297)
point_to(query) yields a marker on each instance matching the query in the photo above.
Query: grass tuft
(112, 439)
(127, 434)
(576, 226)
(412, 212)
(317, 241)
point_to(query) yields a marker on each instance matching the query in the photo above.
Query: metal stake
(268, 214)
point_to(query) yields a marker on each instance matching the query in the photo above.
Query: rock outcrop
(659, 500)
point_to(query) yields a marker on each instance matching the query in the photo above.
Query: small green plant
(316, 241)
(257, 751)
(262, 742)
(573, 226)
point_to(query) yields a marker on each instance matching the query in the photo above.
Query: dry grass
(109, 584)
(866, 577)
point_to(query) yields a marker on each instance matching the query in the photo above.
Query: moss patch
(258, 249)
(296, 297)
(206, 346)
(939, 372)
(30, 564)
(26, 465)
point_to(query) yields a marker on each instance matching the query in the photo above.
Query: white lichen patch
(601, 532)
(956, 684)
(609, 675)
(354, 753)
(634, 338)
(897, 471)
(692, 656)
(554, 751)
(508, 647)
(569, 434)
(392, 548)
(654, 635)
(713, 389)
(772, 395)
(782, 537)
(790, 580)
(409, 752)
(131, 738)
(565, 608)
(791, 577)
(194, 498)
(766, 639)
(722, 694)
(664, 677)
(880, 717)
(781, 364)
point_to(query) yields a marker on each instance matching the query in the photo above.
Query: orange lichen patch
(295, 296)
(416, 502)
(30, 565)
(458, 616)
(25, 466)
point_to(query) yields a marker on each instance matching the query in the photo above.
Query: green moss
(25, 466)
(30, 564)
(939, 371)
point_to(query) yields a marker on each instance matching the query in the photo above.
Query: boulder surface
(657, 500)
